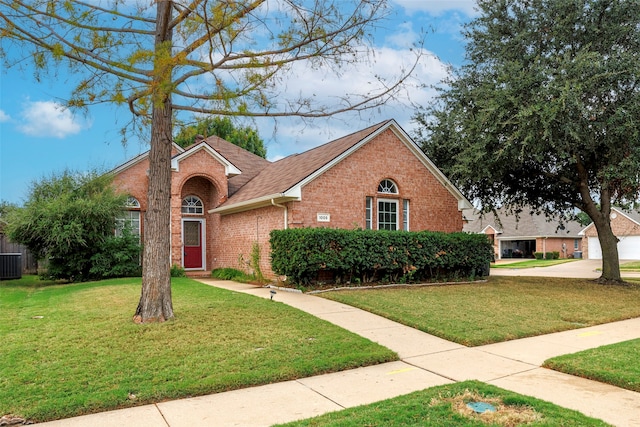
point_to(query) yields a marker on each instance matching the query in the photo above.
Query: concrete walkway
(426, 361)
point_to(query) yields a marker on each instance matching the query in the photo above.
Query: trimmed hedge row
(547, 255)
(307, 255)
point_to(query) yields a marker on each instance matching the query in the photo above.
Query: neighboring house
(625, 226)
(520, 236)
(224, 199)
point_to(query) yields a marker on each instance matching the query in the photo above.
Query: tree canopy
(242, 136)
(226, 58)
(69, 220)
(544, 113)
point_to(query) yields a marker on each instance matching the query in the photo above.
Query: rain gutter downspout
(286, 211)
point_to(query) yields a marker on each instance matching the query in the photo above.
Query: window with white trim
(192, 205)
(368, 220)
(387, 186)
(405, 215)
(129, 218)
(387, 214)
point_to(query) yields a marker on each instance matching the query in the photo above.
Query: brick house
(625, 226)
(520, 236)
(224, 199)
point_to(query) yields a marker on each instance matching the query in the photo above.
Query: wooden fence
(29, 262)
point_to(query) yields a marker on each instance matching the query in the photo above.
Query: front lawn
(73, 349)
(500, 309)
(533, 263)
(445, 406)
(630, 266)
(615, 364)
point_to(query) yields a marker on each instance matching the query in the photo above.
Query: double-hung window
(129, 218)
(387, 214)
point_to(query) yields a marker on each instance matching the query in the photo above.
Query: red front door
(192, 238)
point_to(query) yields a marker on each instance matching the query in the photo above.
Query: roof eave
(229, 168)
(258, 202)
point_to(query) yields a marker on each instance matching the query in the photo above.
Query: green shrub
(118, 256)
(548, 255)
(232, 274)
(539, 255)
(555, 255)
(346, 256)
(177, 271)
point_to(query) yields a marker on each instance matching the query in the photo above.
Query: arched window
(129, 218)
(387, 186)
(132, 203)
(192, 205)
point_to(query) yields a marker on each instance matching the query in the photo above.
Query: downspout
(286, 212)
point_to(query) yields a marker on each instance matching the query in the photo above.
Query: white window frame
(368, 213)
(380, 211)
(129, 216)
(405, 214)
(192, 205)
(387, 186)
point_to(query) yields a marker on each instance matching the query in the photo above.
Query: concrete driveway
(582, 269)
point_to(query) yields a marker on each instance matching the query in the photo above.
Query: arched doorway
(198, 195)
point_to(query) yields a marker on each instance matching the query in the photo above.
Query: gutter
(286, 212)
(253, 203)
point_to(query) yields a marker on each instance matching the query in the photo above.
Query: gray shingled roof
(527, 224)
(280, 176)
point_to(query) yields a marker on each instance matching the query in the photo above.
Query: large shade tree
(242, 136)
(223, 57)
(544, 113)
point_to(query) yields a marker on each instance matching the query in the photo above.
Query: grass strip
(502, 308)
(73, 349)
(615, 364)
(630, 266)
(445, 406)
(532, 263)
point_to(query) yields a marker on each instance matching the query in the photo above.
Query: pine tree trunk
(155, 300)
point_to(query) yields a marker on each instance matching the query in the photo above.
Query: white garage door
(628, 248)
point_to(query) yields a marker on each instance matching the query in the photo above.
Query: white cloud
(438, 7)
(49, 119)
(295, 136)
(4, 117)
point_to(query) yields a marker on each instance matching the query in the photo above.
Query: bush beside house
(312, 255)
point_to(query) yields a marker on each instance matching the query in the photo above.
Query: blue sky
(38, 137)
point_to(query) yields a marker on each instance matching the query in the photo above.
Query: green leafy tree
(69, 219)
(242, 136)
(201, 56)
(545, 111)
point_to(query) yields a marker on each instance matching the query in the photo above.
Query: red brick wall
(554, 244)
(202, 176)
(238, 232)
(134, 181)
(199, 175)
(341, 191)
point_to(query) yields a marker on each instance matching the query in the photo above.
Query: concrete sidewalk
(426, 361)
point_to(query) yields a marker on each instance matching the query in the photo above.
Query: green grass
(503, 308)
(615, 364)
(73, 349)
(444, 406)
(532, 263)
(630, 266)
